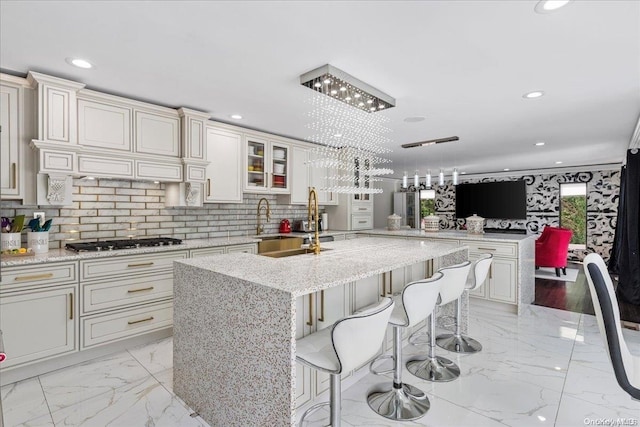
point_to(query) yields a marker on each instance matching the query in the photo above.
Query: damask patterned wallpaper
(543, 206)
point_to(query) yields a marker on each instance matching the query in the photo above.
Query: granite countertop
(453, 234)
(342, 262)
(58, 255)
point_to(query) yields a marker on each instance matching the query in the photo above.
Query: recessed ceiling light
(79, 62)
(236, 116)
(506, 169)
(88, 177)
(558, 162)
(533, 95)
(548, 6)
(540, 143)
(414, 119)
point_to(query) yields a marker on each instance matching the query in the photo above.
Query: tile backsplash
(117, 209)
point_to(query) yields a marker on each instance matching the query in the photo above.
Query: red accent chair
(552, 247)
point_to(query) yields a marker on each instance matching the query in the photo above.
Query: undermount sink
(278, 243)
(290, 252)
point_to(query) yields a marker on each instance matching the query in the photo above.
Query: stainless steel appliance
(407, 205)
(110, 245)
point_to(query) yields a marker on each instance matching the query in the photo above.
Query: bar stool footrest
(419, 338)
(377, 359)
(311, 410)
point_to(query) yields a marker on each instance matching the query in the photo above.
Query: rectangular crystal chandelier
(342, 86)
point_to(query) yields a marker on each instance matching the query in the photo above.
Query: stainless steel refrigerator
(407, 205)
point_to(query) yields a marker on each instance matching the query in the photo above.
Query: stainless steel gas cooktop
(110, 245)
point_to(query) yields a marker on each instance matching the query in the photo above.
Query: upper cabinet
(305, 175)
(266, 166)
(157, 134)
(17, 127)
(224, 153)
(104, 125)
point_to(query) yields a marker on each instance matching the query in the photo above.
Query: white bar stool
(400, 401)
(438, 368)
(351, 342)
(457, 342)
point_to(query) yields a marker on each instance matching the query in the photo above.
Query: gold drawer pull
(487, 249)
(70, 305)
(310, 321)
(321, 318)
(133, 322)
(384, 285)
(34, 277)
(130, 291)
(362, 209)
(142, 264)
(208, 187)
(362, 222)
(14, 169)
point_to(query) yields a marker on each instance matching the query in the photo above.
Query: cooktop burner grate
(110, 245)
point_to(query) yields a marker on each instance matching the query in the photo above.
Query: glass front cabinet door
(266, 166)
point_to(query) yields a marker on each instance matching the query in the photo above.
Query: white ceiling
(464, 65)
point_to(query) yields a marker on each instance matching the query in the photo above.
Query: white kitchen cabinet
(10, 139)
(299, 176)
(250, 248)
(104, 125)
(320, 178)
(38, 324)
(157, 134)
(502, 280)
(266, 166)
(351, 214)
(223, 176)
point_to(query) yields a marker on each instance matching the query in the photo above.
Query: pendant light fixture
(441, 178)
(455, 176)
(428, 179)
(404, 180)
(416, 180)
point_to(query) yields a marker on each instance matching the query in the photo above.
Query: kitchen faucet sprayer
(260, 227)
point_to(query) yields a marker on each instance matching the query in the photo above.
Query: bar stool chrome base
(436, 369)
(458, 343)
(404, 403)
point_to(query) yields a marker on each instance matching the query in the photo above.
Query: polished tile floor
(547, 367)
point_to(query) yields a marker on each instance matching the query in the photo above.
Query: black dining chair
(626, 366)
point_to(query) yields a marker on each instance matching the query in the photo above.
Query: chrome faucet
(314, 244)
(260, 227)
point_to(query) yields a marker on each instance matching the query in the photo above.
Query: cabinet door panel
(300, 176)
(157, 134)
(502, 280)
(279, 181)
(366, 292)
(9, 136)
(255, 170)
(224, 151)
(104, 126)
(38, 324)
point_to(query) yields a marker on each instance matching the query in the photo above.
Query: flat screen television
(495, 200)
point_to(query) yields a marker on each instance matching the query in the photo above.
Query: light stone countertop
(342, 262)
(453, 234)
(59, 255)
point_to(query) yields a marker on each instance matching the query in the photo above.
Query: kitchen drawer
(364, 207)
(207, 251)
(125, 292)
(126, 265)
(43, 275)
(106, 328)
(496, 249)
(362, 222)
(247, 249)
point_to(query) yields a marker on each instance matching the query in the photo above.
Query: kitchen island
(235, 321)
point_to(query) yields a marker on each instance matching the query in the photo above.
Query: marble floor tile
(166, 378)
(23, 403)
(143, 402)
(155, 357)
(69, 386)
(577, 412)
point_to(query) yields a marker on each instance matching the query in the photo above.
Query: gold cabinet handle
(384, 285)
(34, 277)
(310, 321)
(209, 187)
(142, 264)
(391, 283)
(14, 172)
(362, 209)
(491, 271)
(487, 249)
(70, 305)
(321, 318)
(131, 291)
(362, 222)
(133, 322)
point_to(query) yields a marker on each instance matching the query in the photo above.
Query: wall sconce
(428, 179)
(404, 180)
(416, 179)
(441, 178)
(455, 176)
